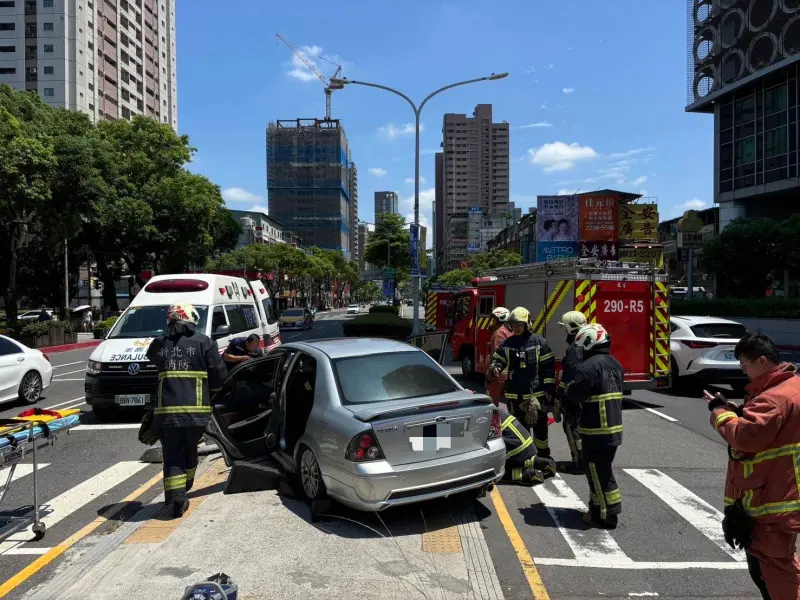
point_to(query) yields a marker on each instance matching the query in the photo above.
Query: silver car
(371, 423)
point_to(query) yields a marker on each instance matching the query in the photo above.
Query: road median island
(266, 543)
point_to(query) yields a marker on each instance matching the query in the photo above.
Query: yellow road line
(525, 559)
(56, 551)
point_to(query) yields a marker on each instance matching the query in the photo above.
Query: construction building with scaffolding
(311, 182)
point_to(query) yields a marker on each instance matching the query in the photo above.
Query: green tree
(479, 265)
(457, 277)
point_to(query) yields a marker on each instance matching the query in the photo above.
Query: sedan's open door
(434, 343)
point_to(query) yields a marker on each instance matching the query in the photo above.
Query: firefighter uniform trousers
(605, 503)
(570, 424)
(522, 463)
(179, 446)
(773, 563)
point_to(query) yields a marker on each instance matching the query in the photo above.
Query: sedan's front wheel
(30, 388)
(311, 475)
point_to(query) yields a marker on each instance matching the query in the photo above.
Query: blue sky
(595, 94)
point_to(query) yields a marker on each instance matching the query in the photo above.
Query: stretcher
(23, 435)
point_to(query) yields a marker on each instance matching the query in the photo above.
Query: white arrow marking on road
(62, 506)
(590, 546)
(696, 511)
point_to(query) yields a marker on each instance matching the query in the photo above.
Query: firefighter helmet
(520, 315)
(183, 311)
(590, 336)
(572, 321)
(501, 314)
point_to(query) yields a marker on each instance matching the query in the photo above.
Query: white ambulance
(118, 374)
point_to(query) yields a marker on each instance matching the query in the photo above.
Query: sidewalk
(265, 542)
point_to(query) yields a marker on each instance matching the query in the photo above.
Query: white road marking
(61, 507)
(80, 362)
(106, 426)
(652, 410)
(590, 546)
(696, 511)
(69, 406)
(66, 379)
(69, 373)
(67, 402)
(729, 565)
(22, 470)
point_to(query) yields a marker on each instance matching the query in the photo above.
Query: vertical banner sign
(414, 250)
(598, 217)
(422, 247)
(388, 288)
(638, 222)
(556, 228)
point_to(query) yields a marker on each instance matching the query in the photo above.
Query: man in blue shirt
(241, 350)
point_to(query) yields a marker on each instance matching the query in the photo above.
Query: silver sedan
(371, 423)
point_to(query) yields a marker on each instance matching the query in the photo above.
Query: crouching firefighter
(531, 376)
(188, 364)
(565, 410)
(522, 464)
(597, 388)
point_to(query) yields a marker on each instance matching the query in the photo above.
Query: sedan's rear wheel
(30, 388)
(311, 475)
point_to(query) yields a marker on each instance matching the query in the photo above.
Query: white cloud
(644, 193)
(640, 180)
(567, 90)
(312, 54)
(536, 125)
(629, 153)
(544, 105)
(530, 70)
(695, 204)
(677, 210)
(429, 150)
(392, 131)
(426, 198)
(370, 226)
(237, 194)
(559, 156)
(423, 220)
(422, 180)
(377, 171)
(258, 209)
(565, 192)
(550, 66)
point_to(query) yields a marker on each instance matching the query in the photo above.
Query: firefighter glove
(532, 412)
(557, 410)
(737, 526)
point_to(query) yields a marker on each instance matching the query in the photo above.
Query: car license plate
(729, 356)
(132, 399)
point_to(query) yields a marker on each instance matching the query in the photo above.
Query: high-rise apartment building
(355, 247)
(363, 239)
(309, 181)
(110, 59)
(472, 185)
(386, 202)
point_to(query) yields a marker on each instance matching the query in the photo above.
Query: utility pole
(66, 280)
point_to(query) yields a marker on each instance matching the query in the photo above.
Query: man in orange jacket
(762, 488)
(495, 385)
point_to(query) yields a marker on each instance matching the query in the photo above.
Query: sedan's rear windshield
(293, 312)
(390, 376)
(719, 330)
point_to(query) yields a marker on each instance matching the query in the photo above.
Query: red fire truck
(631, 301)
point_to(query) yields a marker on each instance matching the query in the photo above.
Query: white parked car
(702, 350)
(24, 372)
(353, 309)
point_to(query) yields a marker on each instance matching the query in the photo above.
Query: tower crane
(329, 87)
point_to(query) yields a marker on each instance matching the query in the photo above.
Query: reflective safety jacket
(569, 365)
(531, 366)
(519, 443)
(190, 368)
(765, 447)
(597, 387)
(500, 335)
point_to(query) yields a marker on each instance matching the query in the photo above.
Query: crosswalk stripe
(62, 506)
(591, 546)
(22, 470)
(696, 511)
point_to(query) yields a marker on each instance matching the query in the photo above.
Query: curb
(68, 347)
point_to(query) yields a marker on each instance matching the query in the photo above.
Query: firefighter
(190, 368)
(531, 376)
(566, 411)
(762, 501)
(597, 388)
(495, 385)
(522, 464)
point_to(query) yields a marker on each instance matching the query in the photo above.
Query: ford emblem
(133, 369)
(481, 420)
(441, 419)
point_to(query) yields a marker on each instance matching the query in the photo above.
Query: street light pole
(417, 111)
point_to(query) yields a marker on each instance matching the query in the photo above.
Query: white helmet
(501, 314)
(183, 311)
(591, 335)
(572, 321)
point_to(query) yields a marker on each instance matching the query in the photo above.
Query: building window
(47, 3)
(7, 4)
(48, 70)
(48, 27)
(8, 48)
(48, 47)
(49, 92)
(8, 71)
(8, 26)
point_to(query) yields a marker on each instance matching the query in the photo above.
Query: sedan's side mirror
(221, 331)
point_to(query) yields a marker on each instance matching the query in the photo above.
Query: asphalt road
(670, 470)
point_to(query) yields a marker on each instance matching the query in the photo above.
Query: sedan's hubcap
(309, 472)
(30, 387)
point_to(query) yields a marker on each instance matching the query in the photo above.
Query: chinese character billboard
(556, 228)
(598, 218)
(638, 222)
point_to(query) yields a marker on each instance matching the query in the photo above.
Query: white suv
(353, 309)
(702, 349)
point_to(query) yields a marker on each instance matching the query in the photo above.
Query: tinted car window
(217, 318)
(293, 312)
(7, 347)
(720, 330)
(242, 317)
(268, 310)
(255, 384)
(390, 376)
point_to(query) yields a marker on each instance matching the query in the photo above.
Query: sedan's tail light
(698, 345)
(495, 429)
(364, 448)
